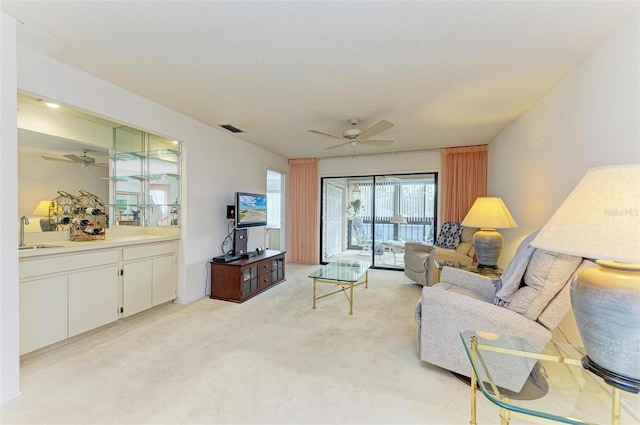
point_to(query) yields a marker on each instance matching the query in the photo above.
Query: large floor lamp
(600, 219)
(488, 214)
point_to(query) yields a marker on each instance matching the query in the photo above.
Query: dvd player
(226, 258)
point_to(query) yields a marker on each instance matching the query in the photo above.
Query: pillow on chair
(449, 236)
(546, 274)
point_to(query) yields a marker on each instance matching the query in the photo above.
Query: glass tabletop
(550, 384)
(470, 267)
(342, 271)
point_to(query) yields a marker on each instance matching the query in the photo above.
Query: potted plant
(353, 209)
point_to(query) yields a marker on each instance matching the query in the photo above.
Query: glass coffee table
(561, 390)
(344, 273)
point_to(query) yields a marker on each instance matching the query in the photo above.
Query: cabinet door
(43, 312)
(277, 268)
(249, 280)
(93, 299)
(164, 279)
(137, 286)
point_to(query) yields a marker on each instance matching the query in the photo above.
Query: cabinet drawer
(150, 250)
(264, 281)
(66, 263)
(264, 267)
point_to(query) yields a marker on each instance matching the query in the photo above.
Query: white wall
(397, 163)
(9, 339)
(591, 118)
(216, 165)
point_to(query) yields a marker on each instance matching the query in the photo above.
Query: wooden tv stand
(242, 279)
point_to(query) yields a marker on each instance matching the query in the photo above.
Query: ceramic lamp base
(488, 245)
(606, 304)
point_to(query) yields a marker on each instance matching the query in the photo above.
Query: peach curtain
(303, 211)
(464, 178)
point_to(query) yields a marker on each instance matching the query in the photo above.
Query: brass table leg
(474, 352)
(615, 408)
(314, 292)
(505, 416)
(351, 299)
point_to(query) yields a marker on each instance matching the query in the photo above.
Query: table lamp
(600, 219)
(42, 210)
(488, 214)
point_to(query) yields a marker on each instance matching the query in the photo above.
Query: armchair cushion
(546, 275)
(482, 286)
(449, 236)
(465, 247)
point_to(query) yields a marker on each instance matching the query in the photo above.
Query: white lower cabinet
(43, 312)
(164, 279)
(137, 287)
(93, 299)
(64, 295)
(149, 277)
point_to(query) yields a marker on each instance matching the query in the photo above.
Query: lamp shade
(600, 218)
(489, 213)
(42, 209)
(399, 219)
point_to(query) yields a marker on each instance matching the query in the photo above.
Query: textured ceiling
(445, 73)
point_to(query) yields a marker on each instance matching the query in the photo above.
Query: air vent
(231, 128)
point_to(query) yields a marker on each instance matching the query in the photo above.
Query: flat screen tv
(251, 210)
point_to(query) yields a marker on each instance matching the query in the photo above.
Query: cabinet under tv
(245, 278)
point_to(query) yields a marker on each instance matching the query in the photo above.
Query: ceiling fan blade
(326, 134)
(99, 164)
(376, 142)
(377, 128)
(49, 158)
(337, 146)
(82, 159)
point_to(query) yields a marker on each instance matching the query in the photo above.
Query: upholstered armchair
(529, 301)
(454, 243)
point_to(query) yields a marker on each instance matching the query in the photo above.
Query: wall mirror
(137, 174)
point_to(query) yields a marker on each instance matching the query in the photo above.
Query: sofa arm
(442, 254)
(447, 313)
(474, 282)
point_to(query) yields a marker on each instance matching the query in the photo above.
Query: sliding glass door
(374, 216)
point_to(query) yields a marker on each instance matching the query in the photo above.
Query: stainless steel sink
(38, 246)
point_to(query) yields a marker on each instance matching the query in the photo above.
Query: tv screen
(251, 209)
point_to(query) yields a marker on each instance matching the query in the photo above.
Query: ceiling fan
(355, 135)
(84, 160)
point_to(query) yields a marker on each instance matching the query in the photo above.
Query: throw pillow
(449, 236)
(546, 274)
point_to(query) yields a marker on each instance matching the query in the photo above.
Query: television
(251, 210)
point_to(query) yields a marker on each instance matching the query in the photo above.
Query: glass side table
(566, 392)
(492, 273)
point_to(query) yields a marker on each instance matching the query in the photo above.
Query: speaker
(231, 211)
(240, 241)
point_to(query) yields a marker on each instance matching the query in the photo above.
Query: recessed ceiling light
(51, 105)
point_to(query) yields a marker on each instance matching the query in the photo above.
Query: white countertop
(67, 246)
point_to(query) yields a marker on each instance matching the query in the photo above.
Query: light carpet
(270, 360)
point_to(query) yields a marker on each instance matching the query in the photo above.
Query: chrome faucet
(23, 220)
